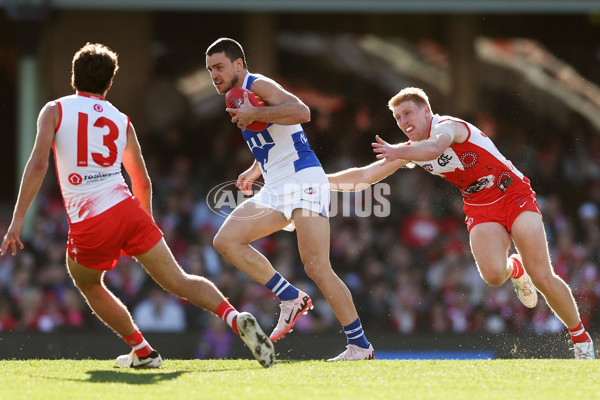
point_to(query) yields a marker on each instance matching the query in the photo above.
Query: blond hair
(413, 94)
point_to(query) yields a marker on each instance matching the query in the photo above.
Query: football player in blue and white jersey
(295, 195)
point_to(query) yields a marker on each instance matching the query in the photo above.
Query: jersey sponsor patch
(468, 159)
(444, 160)
(482, 183)
(75, 179)
(504, 180)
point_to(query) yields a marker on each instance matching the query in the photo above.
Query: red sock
(229, 314)
(579, 334)
(139, 344)
(518, 269)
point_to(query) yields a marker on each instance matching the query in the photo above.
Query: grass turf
(245, 379)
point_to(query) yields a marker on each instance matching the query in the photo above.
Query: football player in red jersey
(91, 139)
(499, 203)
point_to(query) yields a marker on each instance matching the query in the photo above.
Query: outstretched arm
(442, 136)
(33, 176)
(356, 179)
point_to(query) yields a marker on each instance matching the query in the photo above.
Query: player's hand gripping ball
(234, 98)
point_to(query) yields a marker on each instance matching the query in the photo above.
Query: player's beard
(234, 81)
(232, 84)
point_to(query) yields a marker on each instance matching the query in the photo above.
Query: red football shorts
(505, 210)
(126, 228)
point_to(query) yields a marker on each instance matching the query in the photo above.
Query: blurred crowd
(409, 272)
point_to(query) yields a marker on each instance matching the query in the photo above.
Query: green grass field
(245, 379)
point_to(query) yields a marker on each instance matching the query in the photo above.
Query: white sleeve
(446, 127)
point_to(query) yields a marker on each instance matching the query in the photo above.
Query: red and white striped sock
(139, 344)
(518, 269)
(229, 314)
(579, 334)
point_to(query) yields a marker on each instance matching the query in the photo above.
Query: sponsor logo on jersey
(504, 180)
(98, 107)
(75, 179)
(444, 160)
(482, 183)
(99, 176)
(468, 159)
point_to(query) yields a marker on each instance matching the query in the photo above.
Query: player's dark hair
(232, 49)
(94, 66)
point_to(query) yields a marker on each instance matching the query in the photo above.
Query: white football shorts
(307, 189)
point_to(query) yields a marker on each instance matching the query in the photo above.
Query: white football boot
(256, 340)
(354, 353)
(584, 351)
(526, 292)
(131, 360)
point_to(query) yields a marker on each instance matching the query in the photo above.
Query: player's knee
(221, 243)
(315, 268)
(494, 278)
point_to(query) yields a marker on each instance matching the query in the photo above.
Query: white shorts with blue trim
(306, 189)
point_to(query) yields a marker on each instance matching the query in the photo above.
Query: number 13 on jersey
(108, 141)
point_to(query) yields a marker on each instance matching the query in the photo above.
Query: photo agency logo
(346, 201)
(226, 197)
(362, 201)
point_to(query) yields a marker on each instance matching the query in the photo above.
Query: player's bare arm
(282, 107)
(134, 164)
(423, 150)
(244, 181)
(356, 179)
(33, 176)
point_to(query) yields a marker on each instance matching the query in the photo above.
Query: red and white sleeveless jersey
(88, 147)
(475, 166)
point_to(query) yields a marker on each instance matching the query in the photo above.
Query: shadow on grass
(131, 377)
(134, 377)
(143, 376)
